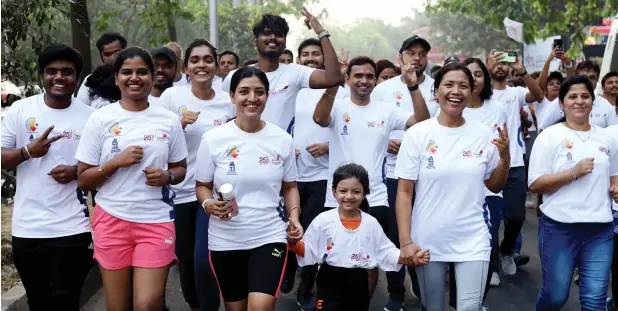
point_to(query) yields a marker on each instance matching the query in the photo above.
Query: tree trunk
(171, 24)
(80, 32)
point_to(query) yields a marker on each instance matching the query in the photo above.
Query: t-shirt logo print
(115, 148)
(567, 144)
(233, 152)
(231, 169)
(115, 129)
(430, 163)
(432, 147)
(346, 120)
(276, 160)
(32, 125)
(569, 157)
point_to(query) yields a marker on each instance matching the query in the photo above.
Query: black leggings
(342, 289)
(184, 222)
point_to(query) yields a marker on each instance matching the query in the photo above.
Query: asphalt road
(516, 293)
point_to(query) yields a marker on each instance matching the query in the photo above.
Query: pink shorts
(119, 243)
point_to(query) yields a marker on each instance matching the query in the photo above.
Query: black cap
(414, 39)
(164, 51)
(451, 59)
(555, 75)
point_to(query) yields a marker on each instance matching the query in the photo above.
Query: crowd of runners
(240, 173)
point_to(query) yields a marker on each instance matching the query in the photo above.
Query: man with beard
(311, 142)
(287, 79)
(609, 83)
(165, 70)
(228, 61)
(359, 129)
(395, 91)
(514, 192)
(109, 45)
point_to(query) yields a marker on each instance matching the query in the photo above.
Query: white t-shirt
(306, 132)
(285, 82)
(255, 164)
(213, 113)
(83, 94)
(217, 83)
(359, 134)
(450, 216)
(395, 92)
(612, 131)
(153, 100)
(540, 110)
(367, 247)
(603, 114)
(558, 149)
(491, 114)
(183, 81)
(514, 98)
(125, 194)
(43, 207)
(532, 128)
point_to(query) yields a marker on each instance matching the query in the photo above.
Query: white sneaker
(495, 279)
(483, 308)
(508, 265)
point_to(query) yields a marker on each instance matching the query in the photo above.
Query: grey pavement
(516, 293)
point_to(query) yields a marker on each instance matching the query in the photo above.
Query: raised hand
(492, 59)
(156, 177)
(343, 61)
(312, 21)
(502, 143)
(40, 145)
(189, 117)
(408, 73)
(63, 174)
(130, 156)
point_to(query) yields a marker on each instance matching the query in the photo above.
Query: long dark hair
(102, 84)
(353, 170)
(487, 90)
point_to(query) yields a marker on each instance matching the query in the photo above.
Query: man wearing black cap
(165, 70)
(413, 51)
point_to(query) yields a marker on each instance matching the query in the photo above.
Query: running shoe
(393, 305)
(495, 279)
(306, 303)
(508, 265)
(520, 260)
(609, 304)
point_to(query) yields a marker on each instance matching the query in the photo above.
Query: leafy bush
(8, 185)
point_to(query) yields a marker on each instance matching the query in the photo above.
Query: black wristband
(75, 166)
(523, 73)
(413, 88)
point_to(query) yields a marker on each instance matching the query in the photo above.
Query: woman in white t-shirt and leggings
(131, 151)
(575, 166)
(449, 160)
(201, 108)
(247, 240)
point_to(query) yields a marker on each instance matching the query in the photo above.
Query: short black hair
(568, 83)
(286, 51)
(359, 61)
(59, 51)
(452, 67)
(357, 171)
(248, 72)
(110, 37)
(230, 53)
(308, 42)
(487, 89)
(273, 22)
(131, 52)
(198, 43)
(555, 75)
(102, 84)
(589, 65)
(608, 75)
(384, 64)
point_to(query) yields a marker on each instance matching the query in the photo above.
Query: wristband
(27, 152)
(21, 153)
(75, 166)
(293, 208)
(403, 245)
(171, 177)
(523, 73)
(413, 88)
(100, 169)
(323, 34)
(204, 205)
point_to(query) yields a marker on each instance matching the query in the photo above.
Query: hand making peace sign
(40, 145)
(502, 143)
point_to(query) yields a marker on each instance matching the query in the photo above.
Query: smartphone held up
(507, 57)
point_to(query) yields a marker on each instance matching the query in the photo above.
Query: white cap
(227, 192)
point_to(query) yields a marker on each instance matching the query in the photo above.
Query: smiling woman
(131, 151)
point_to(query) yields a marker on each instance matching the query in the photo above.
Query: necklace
(575, 132)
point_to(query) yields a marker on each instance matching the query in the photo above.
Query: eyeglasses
(63, 71)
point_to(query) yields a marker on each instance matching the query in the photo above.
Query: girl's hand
(295, 231)
(423, 257)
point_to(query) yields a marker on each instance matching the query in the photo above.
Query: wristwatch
(204, 205)
(323, 34)
(171, 175)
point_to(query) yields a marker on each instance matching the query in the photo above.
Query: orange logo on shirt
(329, 244)
(398, 95)
(432, 147)
(233, 152)
(346, 118)
(567, 143)
(182, 109)
(32, 125)
(115, 129)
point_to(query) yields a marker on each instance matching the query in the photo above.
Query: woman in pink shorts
(131, 151)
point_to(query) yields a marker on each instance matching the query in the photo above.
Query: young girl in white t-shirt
(346, 242)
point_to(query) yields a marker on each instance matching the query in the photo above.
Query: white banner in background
(536, 54)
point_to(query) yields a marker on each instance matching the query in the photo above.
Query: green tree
(541, 18)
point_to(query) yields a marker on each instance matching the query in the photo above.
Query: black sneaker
(287, 285)
(306, 303)
(521, 260)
